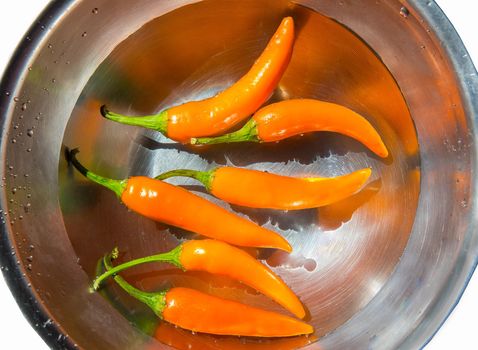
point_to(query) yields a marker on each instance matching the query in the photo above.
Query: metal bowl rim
(55, 10)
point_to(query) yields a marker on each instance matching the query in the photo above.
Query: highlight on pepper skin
(219, 113)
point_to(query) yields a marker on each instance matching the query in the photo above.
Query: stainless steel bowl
(381, 270)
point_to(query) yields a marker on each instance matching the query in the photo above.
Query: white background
(459, 331)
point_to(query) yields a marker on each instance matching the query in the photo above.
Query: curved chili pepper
(178, 207)
(220, 258)
(181, 339)
(287, 118)
(259, 189)
(217, 114)
(200, 312)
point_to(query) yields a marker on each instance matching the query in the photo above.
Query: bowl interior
(360, 266)
(188, 54)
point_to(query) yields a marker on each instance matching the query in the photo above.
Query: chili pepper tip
(117, 186)
(67, 154)
(70, 154)
(104, 111)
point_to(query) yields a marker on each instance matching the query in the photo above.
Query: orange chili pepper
(200, 312)
(220, 258)
(176, 206)
(287, 118)
(259, 189)
(217, 114)
(181, 339)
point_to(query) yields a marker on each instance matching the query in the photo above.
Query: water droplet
(20, 217)
(30, 258)
(15, 126)
(10, 167)
(67, 62)
(404, 12)
(50, 46)
(28, 150)
(29, 195)
(11, 200)
(84, 34)
(464, 203)
(42, 27)
(14, 190)
(31, 247)
(27, 207)
(422, 47)
(14, 141)
(7, 93)
(24, 106)
(310, 265)
(16, 99)
(30, 132)
(95, 11)
(30, 69)
(53, 80)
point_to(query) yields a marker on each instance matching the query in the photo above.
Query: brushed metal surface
(374, 271)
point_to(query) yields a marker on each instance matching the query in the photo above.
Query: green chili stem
(117, 186)
(205, 177)
(247, 133)
(156, 301)
(158, 122)
(171, 257)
